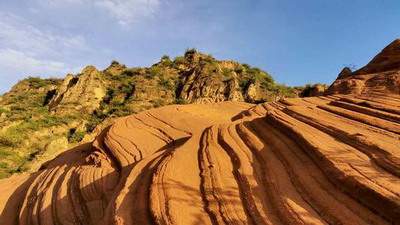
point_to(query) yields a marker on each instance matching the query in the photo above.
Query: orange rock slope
(319, 160)
(382, 74)
(331, 159)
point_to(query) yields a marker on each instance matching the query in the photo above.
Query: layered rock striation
(37, 112)
(332, 159)
(318, 160)
(382, 74)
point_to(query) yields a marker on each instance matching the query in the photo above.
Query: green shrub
(75, 136)
(128, 73)
(227, 74)
(11, 140)
(165, 58)
(166, 83)
(4, 174)
(179, 60)
(157, 102)
(180, 101)
(239, 69)
(166, 61)
(190, 51)
(109, 95)
(17, 108)
(2, 110)
(245, 83)
(246, 66)
(121, 110)
(37, 82)
(114, 63)
(92, 123)
(127, 89)
(4, 152)
(3, 165)
(153, 72)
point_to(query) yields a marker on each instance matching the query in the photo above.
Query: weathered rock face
(115, 69)
(319, 160)
(255, 93)
(202, 84)
(346, 72)
(318, 90)
(322, 160)
(313, 90)
(363, 84)
(203, 79)
(82, 93)
(382, 73)
(80, 106)
(30, 86)
(388, 59)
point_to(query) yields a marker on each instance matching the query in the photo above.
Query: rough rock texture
(115, 68)
(346, 72)
(319, 160)
(388, 59)
(202, 84)
(313, 90)
(331, 159)
(82, 93)
(382, 74)
(85, 103)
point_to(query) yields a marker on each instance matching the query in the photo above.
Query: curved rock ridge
(382, 74)
(361, 84)
(388, 59)
(318, 160)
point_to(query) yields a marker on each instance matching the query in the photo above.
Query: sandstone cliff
(381, 74)
(81, 93)
(38, 114)
(332, 159)
(319, 160)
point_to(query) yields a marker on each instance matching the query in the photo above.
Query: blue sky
(298, 42)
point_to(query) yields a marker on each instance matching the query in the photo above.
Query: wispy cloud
(18, 61)
(128, 11)
(27, 49)
(125, 12)
(17, 33)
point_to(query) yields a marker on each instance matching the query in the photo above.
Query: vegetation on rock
(313, 90)
(37, 111)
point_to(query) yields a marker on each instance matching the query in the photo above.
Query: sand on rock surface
(318, 160)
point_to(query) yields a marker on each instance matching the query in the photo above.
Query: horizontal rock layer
(318, 160)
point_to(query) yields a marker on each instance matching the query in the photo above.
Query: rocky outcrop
(363, 84)
(81, 93)
(313, 90)
(68, 82)
(346, 72)
(209, 83)
(204, 79)
(115, 69)
(319, 160)
(332, 159)
(381, 74)
(388, 59)
(84, 103)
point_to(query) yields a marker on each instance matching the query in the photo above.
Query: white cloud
(28, 50)
(129, 11)
(56, 3)
(125, 12)
(17, 33)
(20, 62)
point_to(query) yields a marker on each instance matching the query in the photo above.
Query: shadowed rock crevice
(287, 162)
(331, 159)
